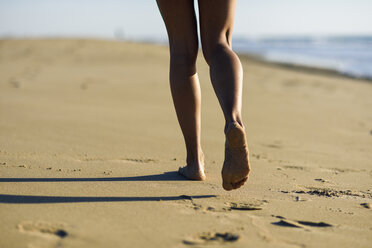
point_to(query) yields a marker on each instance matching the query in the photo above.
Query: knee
(183, 55)
(212, 49)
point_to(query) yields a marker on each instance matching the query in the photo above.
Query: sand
(90, 146)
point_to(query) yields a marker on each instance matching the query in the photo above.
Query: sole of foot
(236, 166)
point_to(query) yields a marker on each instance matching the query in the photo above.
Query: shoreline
(243, 55)
(302, 68)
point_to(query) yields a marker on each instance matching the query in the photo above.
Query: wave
(350, 55)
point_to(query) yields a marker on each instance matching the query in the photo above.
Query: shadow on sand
(166, 176)
(35, 199)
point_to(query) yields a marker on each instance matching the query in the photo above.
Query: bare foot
(236, 165)
(193, 174)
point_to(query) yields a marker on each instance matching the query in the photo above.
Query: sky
(140, 19)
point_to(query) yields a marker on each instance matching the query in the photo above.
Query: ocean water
(350, 55)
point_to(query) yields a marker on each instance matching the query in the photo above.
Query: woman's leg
(180, 21)
(216, 24)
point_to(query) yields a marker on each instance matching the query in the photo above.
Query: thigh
(180, 21)
(216, 21)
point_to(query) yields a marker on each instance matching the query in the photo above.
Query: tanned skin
(216, 24)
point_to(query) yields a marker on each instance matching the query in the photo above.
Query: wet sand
(90, 146)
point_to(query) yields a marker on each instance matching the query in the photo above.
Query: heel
(235, 135)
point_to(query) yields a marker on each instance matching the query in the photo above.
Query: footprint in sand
(283, 222)
(329, 192)
(247, 206)
(259, 156)
(212, 238)
(189, 202)
(340, 170)
(291, 83)
(43, 228)
(218, 206)
(118, 160)
(294, 167)
(276, 146)
(88, 82)
(15, 83)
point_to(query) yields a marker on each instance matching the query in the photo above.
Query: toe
(240, 183)
(227, 186)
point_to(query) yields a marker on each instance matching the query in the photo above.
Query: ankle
(237, 122)
(195, 159)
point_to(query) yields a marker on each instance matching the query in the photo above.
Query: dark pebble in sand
(213, 238)
(61, 233)
(366, 205)
(228, 236)
(224, 237)
(320, 180)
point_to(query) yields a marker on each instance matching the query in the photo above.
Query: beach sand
(90, 146)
